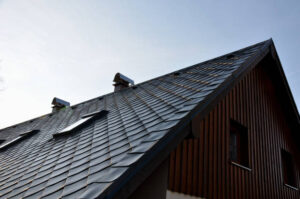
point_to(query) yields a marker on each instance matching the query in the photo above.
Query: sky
(72, 49)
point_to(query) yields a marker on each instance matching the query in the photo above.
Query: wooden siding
(201, 167)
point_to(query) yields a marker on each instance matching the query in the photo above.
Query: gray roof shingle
(85, 163)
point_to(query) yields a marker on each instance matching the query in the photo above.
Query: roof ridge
(136, 85)
(245, 48)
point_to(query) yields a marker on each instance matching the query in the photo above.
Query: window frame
(287, 158)
(242, 146)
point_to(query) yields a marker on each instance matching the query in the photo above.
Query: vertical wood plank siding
(201, 167)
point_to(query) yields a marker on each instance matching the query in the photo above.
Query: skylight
(78, 124)
(10, 143)
(21, 136)
(74, 125)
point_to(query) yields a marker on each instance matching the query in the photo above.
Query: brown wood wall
(201, 167)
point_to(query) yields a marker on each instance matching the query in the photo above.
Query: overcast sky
(72, 49)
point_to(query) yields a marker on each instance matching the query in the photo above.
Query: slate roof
(89, 161)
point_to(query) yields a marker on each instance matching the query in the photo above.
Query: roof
(99, 159)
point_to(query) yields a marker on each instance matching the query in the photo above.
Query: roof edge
(285, 82)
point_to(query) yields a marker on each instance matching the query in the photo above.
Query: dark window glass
(238, 143)
(1, 141)
(288, 168)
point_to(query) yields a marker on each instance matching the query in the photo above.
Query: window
(238, 144)
(288, 169)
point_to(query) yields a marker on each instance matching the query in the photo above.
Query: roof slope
(94, 159)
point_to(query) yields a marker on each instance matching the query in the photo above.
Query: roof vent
(59, 104)
(121, 81)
